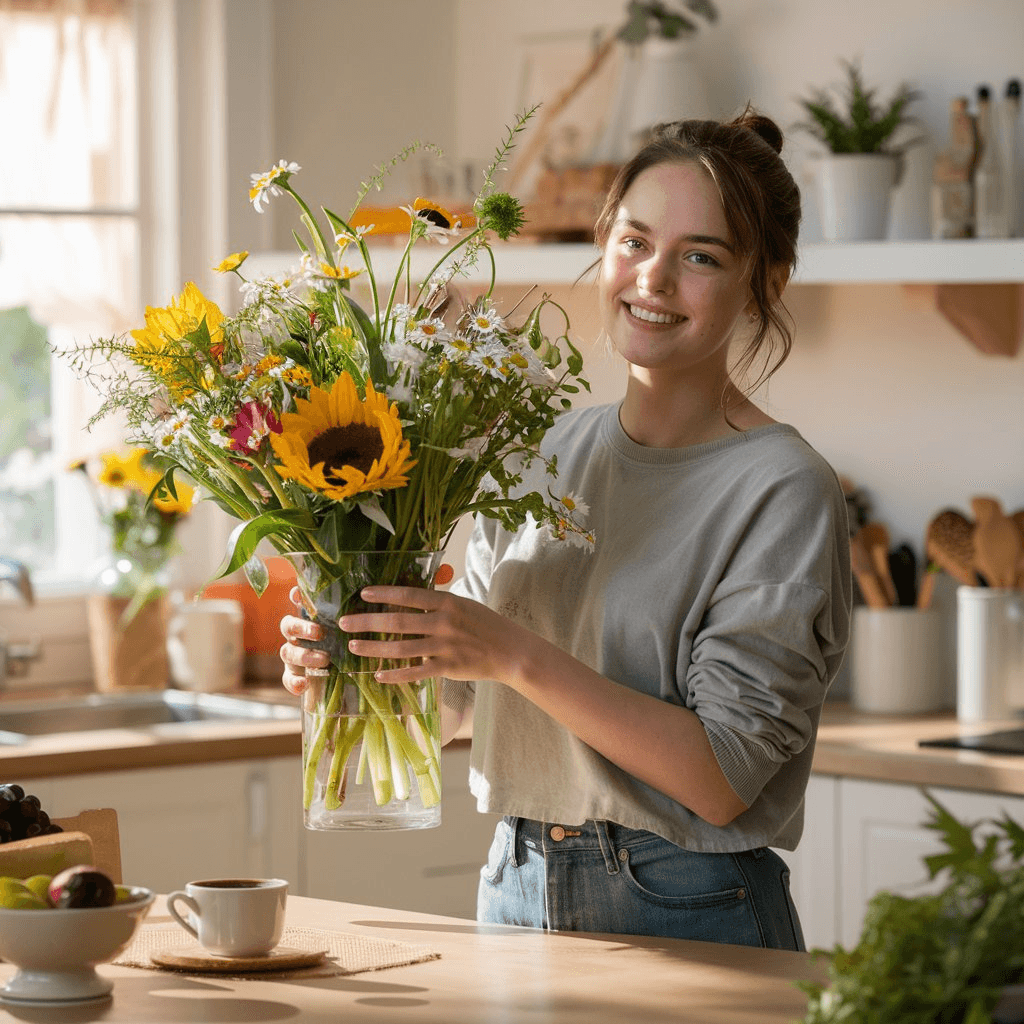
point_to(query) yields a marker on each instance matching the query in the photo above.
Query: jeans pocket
(676, 889)
(498, 854)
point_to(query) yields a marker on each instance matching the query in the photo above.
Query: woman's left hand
(454, 637)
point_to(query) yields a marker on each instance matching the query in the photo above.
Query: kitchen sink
(165, 709)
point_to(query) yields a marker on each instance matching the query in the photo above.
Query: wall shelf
(917, 262)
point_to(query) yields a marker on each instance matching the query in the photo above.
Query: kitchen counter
(485, 974)
(850, 743)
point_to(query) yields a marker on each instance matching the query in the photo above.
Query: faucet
(12, 655)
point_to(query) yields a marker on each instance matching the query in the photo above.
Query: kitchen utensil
(875, 538)
(903, 572)
(949, 543)
(870, 587)
(927, 587)
(997, 543)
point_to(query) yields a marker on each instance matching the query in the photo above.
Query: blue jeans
(602, 877)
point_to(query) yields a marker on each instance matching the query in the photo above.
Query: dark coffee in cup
(236, 883)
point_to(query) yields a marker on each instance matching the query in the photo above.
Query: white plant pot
(855, 194)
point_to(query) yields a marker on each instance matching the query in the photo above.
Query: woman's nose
(654, 276)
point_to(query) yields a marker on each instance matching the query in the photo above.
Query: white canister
(204, 645)
(989, 653)
(897, 664)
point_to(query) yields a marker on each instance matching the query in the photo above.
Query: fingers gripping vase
(371, 751)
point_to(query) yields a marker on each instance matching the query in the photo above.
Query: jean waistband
(552, 838)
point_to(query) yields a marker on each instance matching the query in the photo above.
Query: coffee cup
(239, 917)
(205, 645)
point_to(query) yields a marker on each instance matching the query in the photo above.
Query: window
(69, 261)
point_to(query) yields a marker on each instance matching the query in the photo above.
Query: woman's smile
(652, 316)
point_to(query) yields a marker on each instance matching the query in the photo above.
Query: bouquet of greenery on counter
(940, 958)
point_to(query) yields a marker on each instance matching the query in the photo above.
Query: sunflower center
(355, 445)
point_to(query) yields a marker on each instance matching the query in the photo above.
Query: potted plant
(863, 162)
(657, 79)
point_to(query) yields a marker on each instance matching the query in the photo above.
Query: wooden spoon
(997, 543)
(875, 538)
(864, 571)
(949, 543)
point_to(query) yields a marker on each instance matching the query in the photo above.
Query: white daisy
(485, 320)
(263, 186)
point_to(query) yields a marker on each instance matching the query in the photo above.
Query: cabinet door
(432, 870)
(182, 823)
(884, 841)
(813, 865)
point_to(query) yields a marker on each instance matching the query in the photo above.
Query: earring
(753, 317)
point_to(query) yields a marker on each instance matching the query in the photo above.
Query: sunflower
(341, 446)
(123, 471)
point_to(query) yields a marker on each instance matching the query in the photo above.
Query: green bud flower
(501, 213)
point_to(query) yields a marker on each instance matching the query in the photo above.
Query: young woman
(644, 714)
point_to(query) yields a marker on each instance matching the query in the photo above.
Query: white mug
(204, 645)
(239, 917)
(989, 653)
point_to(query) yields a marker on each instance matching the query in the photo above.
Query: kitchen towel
(347, 952)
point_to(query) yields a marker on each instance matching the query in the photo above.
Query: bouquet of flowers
(350, 423)
(142, 516)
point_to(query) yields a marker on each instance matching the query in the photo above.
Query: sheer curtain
(69, 248)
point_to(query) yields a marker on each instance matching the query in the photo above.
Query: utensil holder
(989, 653)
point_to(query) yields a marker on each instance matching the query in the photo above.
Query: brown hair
(762, 208)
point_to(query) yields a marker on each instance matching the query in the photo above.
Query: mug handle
(175, 913)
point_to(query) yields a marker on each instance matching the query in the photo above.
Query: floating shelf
(922, 262)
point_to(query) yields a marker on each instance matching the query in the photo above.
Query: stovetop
(1007, 741)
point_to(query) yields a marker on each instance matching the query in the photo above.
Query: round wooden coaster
(281, 958)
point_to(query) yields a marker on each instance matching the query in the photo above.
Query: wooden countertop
(485, 974)
(850, 743)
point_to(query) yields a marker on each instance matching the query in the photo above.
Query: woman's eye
(703, 258)
(632, 243)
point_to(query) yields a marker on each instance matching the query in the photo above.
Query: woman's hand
(444, 635)
(295, 657)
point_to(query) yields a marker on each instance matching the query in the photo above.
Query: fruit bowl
(56, 950)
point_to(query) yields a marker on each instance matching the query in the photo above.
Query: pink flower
(253, 425)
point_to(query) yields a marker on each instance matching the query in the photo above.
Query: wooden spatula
(949, 543)
(864, 572)
(875, 538)
(997, 543)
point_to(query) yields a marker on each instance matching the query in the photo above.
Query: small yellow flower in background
(232, 262)
(179, 506)
(342, 446)
(123, 471)
(338, 273)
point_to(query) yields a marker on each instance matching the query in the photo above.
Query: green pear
(40, 885)
(16, 895)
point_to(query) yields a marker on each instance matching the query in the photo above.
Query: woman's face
(672, 284)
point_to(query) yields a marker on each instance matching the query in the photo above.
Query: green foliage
(940, 958)
(861, 124)
(652, 17)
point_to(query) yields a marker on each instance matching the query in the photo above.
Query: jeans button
(557, 833)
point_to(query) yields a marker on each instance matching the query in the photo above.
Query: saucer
(193, 958)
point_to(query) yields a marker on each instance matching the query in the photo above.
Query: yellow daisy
(180, 506)
(340, 446)
(232, 262)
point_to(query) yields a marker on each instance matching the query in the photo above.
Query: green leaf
(246, 536)
(257, 574)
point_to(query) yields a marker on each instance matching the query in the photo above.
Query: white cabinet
(193, 821)
(432, 870)
(863, 837)
(884, 840)
(813, 865)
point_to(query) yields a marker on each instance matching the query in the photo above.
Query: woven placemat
(347, 952)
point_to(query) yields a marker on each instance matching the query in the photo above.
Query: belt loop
(515, 825)
(604, 837)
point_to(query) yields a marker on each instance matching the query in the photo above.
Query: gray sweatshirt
(720, 581)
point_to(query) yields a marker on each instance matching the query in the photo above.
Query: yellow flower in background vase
(341, 445)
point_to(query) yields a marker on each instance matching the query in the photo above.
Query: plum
(81, 886)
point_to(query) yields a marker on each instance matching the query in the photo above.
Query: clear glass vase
(371, 752)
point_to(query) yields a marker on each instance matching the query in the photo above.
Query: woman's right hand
(295, 657)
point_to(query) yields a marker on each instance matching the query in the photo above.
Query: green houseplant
(952, 956)
(863, 161)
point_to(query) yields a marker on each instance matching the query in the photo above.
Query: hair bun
(763, 126)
